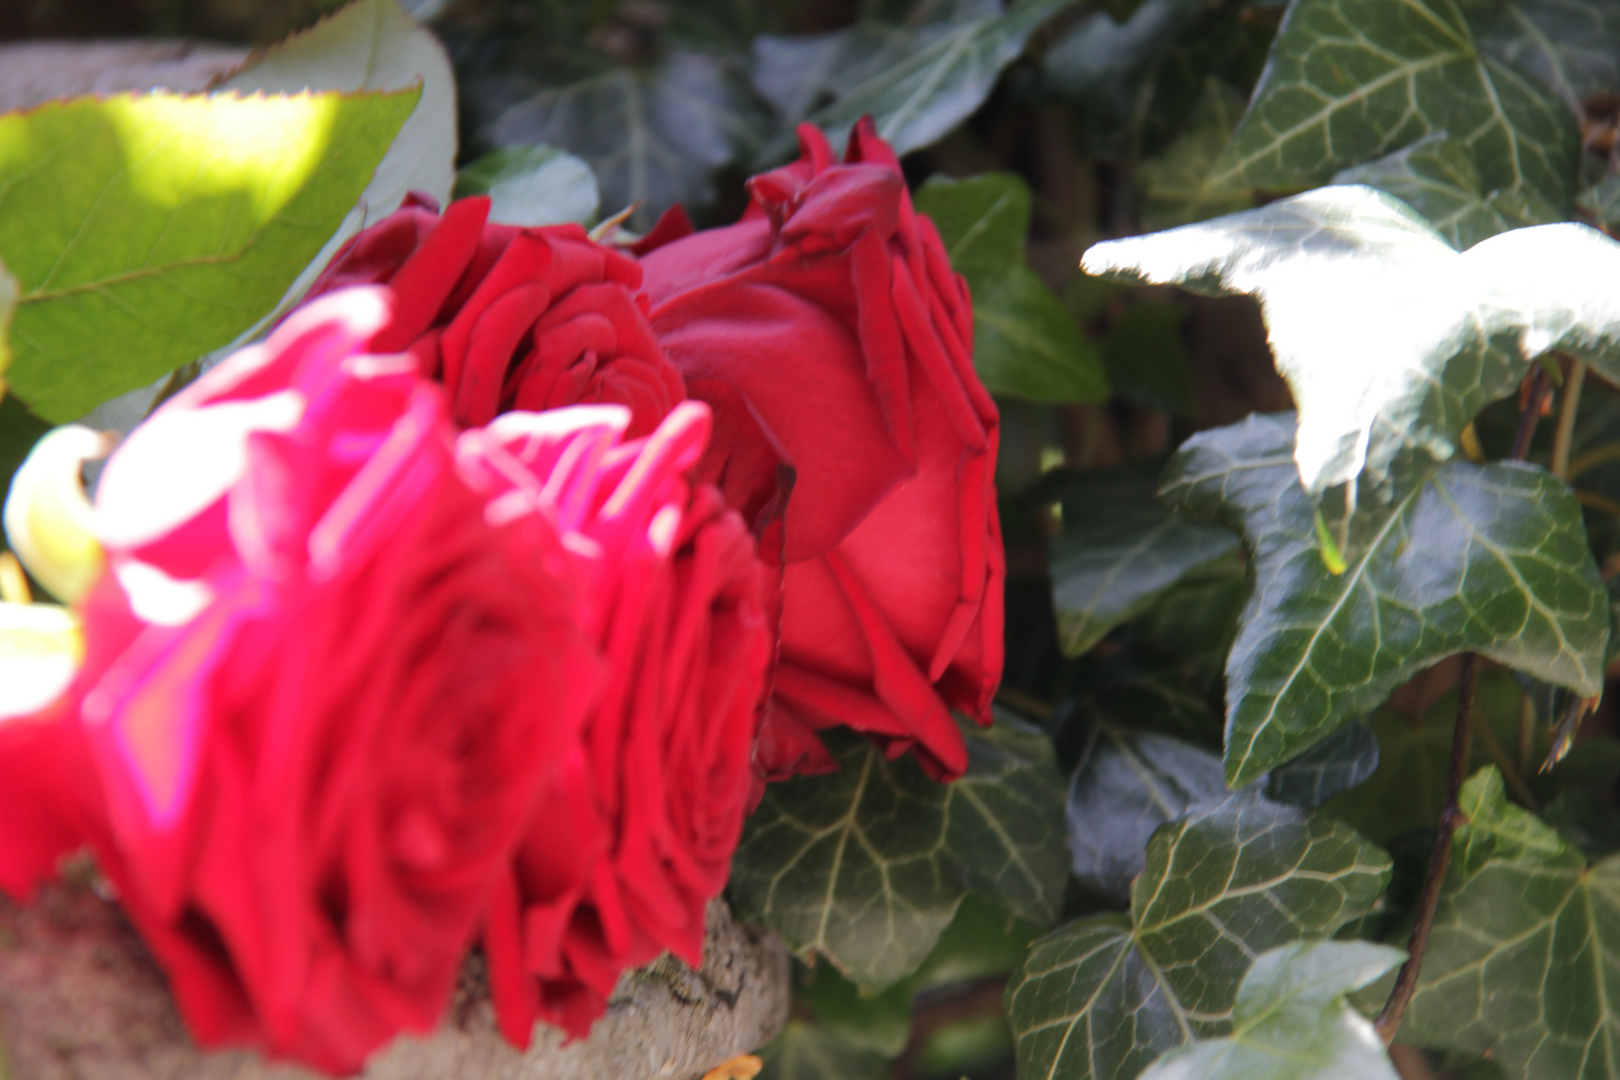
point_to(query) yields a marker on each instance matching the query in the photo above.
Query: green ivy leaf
(1102, 997)
(866, 867)
(1121, 551)
(653, 136)
(8, 307)
(1337, 763)
(1573, 46)
(1390, 340)
(1489, 558)
(1524, 958)
(1025, 341)
(1127, 786)
(916, 83)
(809, 1051)
(1292, 1022)
(1602, 200)
(174, 224)
(1353, 80)
(1436, 177)
(1175, 185)
(532, 185)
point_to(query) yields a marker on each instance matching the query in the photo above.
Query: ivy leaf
(172, 225)
(1524, 956)
(532, 185)
(808, 1051)
(1120, 551)
(8, 306)
(1025, 341)
(1292, 1022)
(1602, 200)
(1436, 177)
(1417, 339)
(1145, 359)
(1573, 46)
(1175, 187)
(653, 136)
(1337, 763)
(920, 84)
(867, 866)
(1491, 559)
(1353, 80)
(1102, 997)
(1127, 786)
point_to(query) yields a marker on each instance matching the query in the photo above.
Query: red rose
(637, 836)
(324, 691)
(829, 333)
(511, 318)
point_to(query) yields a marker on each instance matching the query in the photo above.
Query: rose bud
(511, 318)
(829, 334)
(637, 836)
(323, 691)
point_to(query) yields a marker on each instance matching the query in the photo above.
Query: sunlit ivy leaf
(1524, 958)
(1175, 185)
(171, 225)
(1572, 45)
(866, 867)
(532, 185)
(1353, 80)
(1145, 359)
(1292, 1022)
(1121, 550)
(1102, 997)
(1436, 177)
(916, 85)
(1337, 763)
(1127, 786)
(653, 136)
(809, 1051)
(1488, 558)
(1390, 340)
(1025, 341)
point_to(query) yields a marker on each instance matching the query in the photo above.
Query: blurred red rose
(511, 318)
(637, 837)
(323, 693)
(829, 334)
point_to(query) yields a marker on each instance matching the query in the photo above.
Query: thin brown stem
(1389, 1021)
(1540, 386)
(1564, 434)
(1527, 731)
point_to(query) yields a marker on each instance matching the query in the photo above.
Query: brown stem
(1540, 385)
(1389, 1021)
(1564, 434)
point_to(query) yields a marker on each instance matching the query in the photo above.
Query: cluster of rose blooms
(475, 606)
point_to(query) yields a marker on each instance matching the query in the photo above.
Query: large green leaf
(1523, 962)
(1339, 762)
(532, 185)
(1120, 551)
(809, 1051)
(1491, 559)
(1292, 1022)
(1100, 998)
(1175, 184)
(1390, 340)
(1436, 177)
(917, 83)
(1572, 45)
(1602, 200)
(145, 231)
(8, 305)
(866, 867)
(1025, 341)
(1353, 80)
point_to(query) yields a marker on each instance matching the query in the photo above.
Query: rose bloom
(829, 334)
(637, 836)
(511, 318)
(323, 694)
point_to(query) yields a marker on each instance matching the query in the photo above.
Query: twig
(1567, 408)
(1389, 1021)
(1527, 730)
(1540, 386)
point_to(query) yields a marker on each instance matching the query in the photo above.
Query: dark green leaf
(653, 137)
(1390, 340)
(1573, 46)
(1353, 80)
(1025, 341)
(1127, 786)
(19, 431)
(917, 84)
(174, 224)
(1489, 558)
(1145, 359)
(1523, 962)
(1292, 1022)
(1102, 997)
(1120, 551)
(1337, 763)
(1175, 188)
(532, 185)
(808, 1051)
(1436, 177)
(866, 867)
(1602, 200)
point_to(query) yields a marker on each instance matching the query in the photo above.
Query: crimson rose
(510, 318)
(828, 332)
